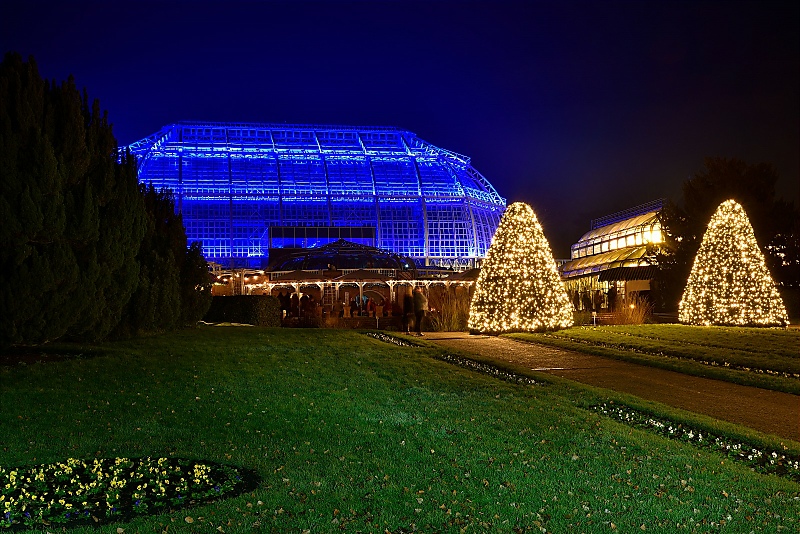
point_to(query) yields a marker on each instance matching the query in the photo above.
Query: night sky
(578, 108)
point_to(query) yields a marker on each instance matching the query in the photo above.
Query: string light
(729, 283)
(518, 288)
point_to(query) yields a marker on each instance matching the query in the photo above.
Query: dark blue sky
(578, 108)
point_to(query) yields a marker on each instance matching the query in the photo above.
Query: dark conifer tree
(195, 286)
(174, 287)
(73, 218)
(156, 306)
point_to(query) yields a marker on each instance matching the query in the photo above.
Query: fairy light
(729, 283)
(519, 289)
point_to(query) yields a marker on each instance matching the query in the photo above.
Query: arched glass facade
(232, 182)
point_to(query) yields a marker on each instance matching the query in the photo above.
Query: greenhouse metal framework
(614, 253)
(232, 182)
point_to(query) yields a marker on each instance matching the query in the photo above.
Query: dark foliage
(155, 305)
(174, 284)
(85, 250)
(72, 215)
(258, 310)
(776, 224)
(195, 285)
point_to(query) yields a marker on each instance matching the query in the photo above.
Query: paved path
(767, 411)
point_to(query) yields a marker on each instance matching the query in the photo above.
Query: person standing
(420, 307)
(408, 310)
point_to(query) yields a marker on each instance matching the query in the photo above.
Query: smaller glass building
(613, 254)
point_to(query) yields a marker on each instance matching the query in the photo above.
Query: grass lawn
(760, 357)
(348, 433)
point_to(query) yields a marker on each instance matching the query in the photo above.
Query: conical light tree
(519, 289)
(729, 283)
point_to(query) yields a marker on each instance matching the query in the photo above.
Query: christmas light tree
(519, 288)
(729, 283)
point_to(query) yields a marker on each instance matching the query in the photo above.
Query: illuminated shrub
(729, 283)
(519, 289)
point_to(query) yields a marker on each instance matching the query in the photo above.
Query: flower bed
(103, 490)
(489, 369)
(386, 338)
(762, 460)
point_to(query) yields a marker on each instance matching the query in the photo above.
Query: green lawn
(761, 357)
(352, 434)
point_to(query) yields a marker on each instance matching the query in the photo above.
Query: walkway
(767, 411)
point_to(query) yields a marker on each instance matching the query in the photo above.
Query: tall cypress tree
(195, 285)
(73, 218)
(155, 305)
(174, 285)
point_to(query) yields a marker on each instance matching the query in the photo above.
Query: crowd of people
(411, 307)
(593, 300)
(610, 300)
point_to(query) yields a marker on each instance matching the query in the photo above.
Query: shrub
(582, 317)
(449, 309)
(635, 311)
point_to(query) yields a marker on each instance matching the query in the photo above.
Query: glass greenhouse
(617, 240)
(233, 182)
(613, 258)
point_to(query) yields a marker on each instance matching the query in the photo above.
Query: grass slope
(766, 358)
(349, 433)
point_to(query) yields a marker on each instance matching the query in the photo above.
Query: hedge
(257, 310)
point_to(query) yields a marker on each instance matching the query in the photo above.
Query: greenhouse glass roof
(617, 242)
(233, 181)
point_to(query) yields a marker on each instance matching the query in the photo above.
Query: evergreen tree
(729, 283)
(72, 215)
(156, 305)
(519, 288)
(195, 286)
(174, 284)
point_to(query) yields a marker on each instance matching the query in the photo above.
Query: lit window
(657, 237)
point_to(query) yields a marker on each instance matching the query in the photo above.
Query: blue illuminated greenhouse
(244, 189)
